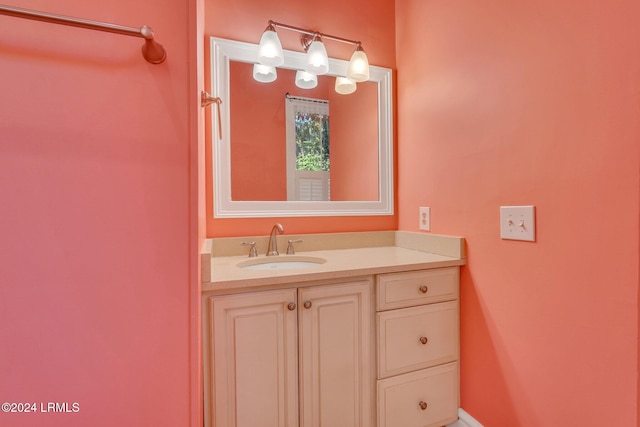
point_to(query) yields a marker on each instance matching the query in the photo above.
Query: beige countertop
(346, 254)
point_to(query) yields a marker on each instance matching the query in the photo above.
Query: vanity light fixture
(270, 49)
(264, 73)
(317, 61)
(345, 86)
(306, 80)
(358, 69)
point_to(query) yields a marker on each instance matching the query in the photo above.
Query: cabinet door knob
(291, 306)
(424, 340)
(423, 405)
(307, 304)
(424, 289)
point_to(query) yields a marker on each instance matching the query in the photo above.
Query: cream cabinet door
(336, 355)
(254, 350)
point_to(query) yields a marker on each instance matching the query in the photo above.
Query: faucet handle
(252, 251)
(290, 250)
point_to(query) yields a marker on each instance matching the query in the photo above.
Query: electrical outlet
(425, 219)
(518, 223)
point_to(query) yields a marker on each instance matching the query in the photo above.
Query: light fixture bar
(314, 33)
(316, 60)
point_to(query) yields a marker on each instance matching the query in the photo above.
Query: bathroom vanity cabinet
(306, 356)
(418, 350)
(296, 356)
(370, 338)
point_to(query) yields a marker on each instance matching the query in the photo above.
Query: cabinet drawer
(398, 290)
(424, 398)
(417, 337)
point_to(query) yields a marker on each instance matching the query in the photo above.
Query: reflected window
(308, 155)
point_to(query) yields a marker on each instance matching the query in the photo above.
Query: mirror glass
(301, 144)
(286, 151)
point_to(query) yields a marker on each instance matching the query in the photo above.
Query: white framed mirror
(249, 145)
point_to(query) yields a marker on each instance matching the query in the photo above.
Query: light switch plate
(518, 223)
(425, 219)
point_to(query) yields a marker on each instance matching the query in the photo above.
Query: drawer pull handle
(291, 306)
(424, 340)
(423, 405)
(307, 304)
(424, 289)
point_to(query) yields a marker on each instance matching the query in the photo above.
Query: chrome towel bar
(151, 50)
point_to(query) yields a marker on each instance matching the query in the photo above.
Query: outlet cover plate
(518, 223)
(425, 219)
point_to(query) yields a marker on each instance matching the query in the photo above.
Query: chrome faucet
(273, 242)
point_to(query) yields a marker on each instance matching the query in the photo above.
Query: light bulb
(345, 86)
(358, 69)
(306, 80)
(264, 73)
(270, 49)
(317, 60)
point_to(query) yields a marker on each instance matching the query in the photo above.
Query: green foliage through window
(312, 141)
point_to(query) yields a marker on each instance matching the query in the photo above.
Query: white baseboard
(467, 420)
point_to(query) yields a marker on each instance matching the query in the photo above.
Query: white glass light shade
(317, 59)
(358, 69)
(264, 73)
(270, 49)
(306, 80)
(345, 86)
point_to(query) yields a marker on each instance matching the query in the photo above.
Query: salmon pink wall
(99, 217)
(514, 103)
(371, 22)
(354, 143)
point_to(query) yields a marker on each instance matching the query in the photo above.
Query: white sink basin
(286, 262)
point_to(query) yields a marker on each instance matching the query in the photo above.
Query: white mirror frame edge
(222, 51)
